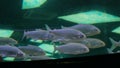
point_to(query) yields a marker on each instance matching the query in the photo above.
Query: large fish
(93, 43)
(60, 34)
(7, 41)
(11, 51)
(89, 42)
(65, 34)
(32, 50)
(38, 34)
(87, 29)
(72, 48)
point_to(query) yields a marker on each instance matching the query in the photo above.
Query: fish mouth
(98, 31)
(103, 44)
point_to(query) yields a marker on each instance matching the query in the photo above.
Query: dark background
(12, 17)
(11, 13)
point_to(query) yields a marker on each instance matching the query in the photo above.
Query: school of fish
(74, 40)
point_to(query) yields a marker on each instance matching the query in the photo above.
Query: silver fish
(72, 48)
(32, 50)
(89, 42)
(11, 51)
(38, 34)
(93, 43)
(6, 40)
(87, 29)
(67, 34)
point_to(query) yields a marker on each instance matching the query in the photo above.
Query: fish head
(97, 44)
(101, 43)
(79, 36)
(21, 54)
(84, 50)
(93, 31)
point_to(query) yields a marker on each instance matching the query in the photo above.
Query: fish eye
(84, 49)
(81, 36)
(102, 44)
(20, 54)
(95, 30)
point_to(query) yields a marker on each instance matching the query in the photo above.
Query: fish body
(32, 50)
(7, 41)
(93, 43)
(38, 34)
(11, 51)
(87, 29)
(67, 34)
(89, 42)
(72, 48)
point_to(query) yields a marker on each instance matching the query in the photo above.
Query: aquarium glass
(58, 29)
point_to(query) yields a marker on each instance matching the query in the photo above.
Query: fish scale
(87, 29)
(67, 34)
(72, 48)
(10, 51)
(38, 34)
(32, 50)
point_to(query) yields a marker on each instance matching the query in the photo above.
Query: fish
(89, 42)
(38, 34)
(32, 50)
(11, 51)
(93, 43)
(87, 29)
(71, 48)
(115, 44)
(67, 33)
(7, 41)
(60, 34)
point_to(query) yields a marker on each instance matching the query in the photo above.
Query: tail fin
(114, 44)
(47, 27)
(110, 51)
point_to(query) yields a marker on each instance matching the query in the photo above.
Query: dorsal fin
(47, 27)
(24, 34)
